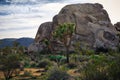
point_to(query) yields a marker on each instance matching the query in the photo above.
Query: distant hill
(22, 41)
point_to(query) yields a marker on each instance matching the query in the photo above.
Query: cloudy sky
(21, 18)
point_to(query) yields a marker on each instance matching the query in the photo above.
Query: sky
(22, 18)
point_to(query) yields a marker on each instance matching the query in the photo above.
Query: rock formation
(117, 26)
(93, 26)
(44, 31)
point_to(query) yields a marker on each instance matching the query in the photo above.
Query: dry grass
(34, 71)
(73, 72)
(1, 75)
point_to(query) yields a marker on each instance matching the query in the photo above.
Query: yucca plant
(64, 33)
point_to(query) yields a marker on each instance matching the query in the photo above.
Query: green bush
(8, 64)
(79, 58)
(114, 68)
(27, 74)
(102, 67)
(83, 58)
(96, 68)
(33, 64)
(27, 64)
(90, 52)
(56, 57)
(57, 74)
(94, 72)
(45, 63)
(64, 68)
(71, 65)
(43, 77)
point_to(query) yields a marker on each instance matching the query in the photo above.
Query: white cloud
(19, 33)
(25, 17)
(76, 1)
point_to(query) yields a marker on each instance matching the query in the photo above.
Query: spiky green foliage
(64, 34)
(64, 31)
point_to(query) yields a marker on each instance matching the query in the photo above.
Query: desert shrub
(92, 72)
(90, 52)
(82, 58)
(73, 57)
(96, 68)
(57, 74)
(43, 77)
(77, 78)
(8, 64)
(27, 74)
(71, 65)
(27, 64)
(63, 61)
(114, 68)
(58, 59)
(45, 63)
(33, 64)
(64, 68)
(114, 71)
(101, 67)
(26, 61)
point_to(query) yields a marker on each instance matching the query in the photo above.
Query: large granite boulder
(44, 31)
(117, 26)
(93, 26)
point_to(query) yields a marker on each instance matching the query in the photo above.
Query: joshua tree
(64, 33)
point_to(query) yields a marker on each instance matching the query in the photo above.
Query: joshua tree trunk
(67, 54)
